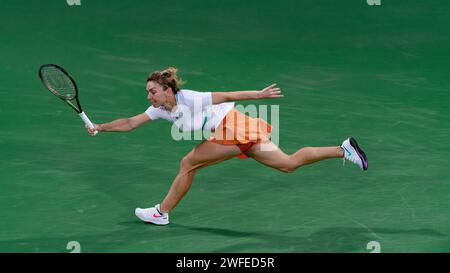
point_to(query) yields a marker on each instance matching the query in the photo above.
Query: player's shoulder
(153, 108)
(188, 92)
(188, 95)
(156, 110)
(190, 98)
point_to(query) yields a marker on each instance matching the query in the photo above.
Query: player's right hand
(92, 131)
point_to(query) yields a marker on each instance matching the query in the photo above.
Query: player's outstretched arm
(120, 125)
(267, 93)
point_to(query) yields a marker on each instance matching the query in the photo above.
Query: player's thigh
(207, 153)
(269, 154)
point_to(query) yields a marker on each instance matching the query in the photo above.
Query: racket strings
(59, 83)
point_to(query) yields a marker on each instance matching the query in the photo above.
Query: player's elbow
(134, 123)
(131, 125)
(220, 97)
(137, 121)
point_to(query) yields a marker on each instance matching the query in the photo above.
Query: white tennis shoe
(152, 215)
(353, 153)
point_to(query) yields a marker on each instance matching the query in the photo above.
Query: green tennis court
(346, 68)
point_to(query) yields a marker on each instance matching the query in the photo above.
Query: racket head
(58, 81)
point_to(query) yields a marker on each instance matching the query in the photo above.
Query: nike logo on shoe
(156, 215)
(348, 152)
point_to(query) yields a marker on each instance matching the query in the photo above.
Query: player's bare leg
(205, 154)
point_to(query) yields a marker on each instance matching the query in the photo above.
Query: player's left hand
(271, 92)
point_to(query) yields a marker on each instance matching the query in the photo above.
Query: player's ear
(169, 90)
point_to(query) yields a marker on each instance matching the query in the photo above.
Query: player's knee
(287, 168)
(185, 164)
(188, 165)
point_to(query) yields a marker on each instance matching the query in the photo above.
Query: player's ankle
(162, 209)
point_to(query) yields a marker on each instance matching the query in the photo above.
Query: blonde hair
(167, 78)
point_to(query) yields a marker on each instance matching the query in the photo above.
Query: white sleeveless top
(194, 111)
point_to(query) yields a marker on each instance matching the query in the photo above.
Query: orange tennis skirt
(239, 129)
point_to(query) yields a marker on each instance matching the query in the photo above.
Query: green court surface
(346, 68)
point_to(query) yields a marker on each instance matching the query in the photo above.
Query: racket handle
(87, 121)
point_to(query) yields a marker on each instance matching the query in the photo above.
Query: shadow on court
(338, 239)
(140, 237)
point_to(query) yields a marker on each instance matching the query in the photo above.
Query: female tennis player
(234, 134)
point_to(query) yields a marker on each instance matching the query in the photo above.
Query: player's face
(156, 93)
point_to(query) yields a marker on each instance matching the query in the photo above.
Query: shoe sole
(360, 152)
(153, 223)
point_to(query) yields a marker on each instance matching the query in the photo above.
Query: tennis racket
(62, 85)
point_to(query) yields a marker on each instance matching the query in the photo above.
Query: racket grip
(87, 121)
